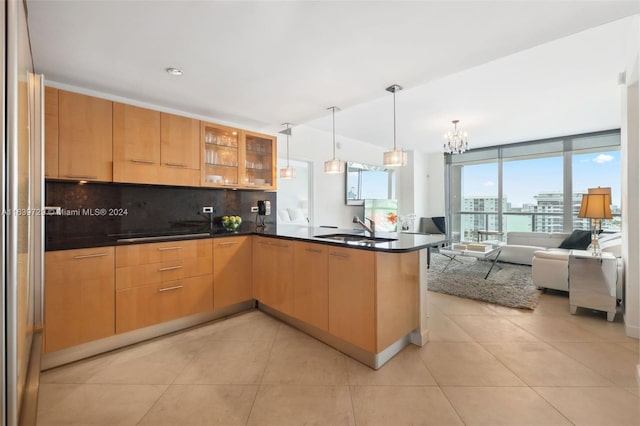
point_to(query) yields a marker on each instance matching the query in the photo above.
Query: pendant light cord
(394, 120)
(287, 146)
(333, 109)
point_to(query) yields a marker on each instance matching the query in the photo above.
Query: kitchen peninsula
(366, 298)
(136, 250)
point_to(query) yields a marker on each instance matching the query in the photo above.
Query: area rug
(510, 285)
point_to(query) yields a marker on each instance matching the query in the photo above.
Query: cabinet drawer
(141, 254)
(143, 306)
(89, 255)
(155, 273)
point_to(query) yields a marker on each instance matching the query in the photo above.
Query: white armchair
(550, 268)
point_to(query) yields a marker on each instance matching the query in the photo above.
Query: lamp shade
(287, 173)
(606, 191)
(395, 158)
(595, 206)
(334, 166)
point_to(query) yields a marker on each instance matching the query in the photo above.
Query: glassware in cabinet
(260, 152)
(220, 155)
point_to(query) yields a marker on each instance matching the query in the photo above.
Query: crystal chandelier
(334, 166)
(456, 141)
(395, 157)
(287, 172)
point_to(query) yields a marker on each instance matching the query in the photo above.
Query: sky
(523, 179)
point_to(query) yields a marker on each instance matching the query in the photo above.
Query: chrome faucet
(371, 229)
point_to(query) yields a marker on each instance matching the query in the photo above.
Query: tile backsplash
(108, 208)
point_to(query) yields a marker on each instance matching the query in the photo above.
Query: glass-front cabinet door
(259, 161)
(220, 155)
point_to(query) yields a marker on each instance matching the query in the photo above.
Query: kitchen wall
(148, 208)
(419, 185)
(630, 141)
(308, 144)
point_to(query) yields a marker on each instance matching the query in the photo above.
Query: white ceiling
(509, 70)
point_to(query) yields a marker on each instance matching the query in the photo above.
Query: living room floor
(485, 364)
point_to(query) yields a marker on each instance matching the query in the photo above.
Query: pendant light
(396, 157)
(334, 166)
(287, 172)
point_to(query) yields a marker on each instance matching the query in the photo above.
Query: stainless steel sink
(345, 238)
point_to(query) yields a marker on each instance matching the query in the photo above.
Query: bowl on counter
(231, 223)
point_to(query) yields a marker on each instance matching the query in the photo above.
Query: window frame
(565, 146)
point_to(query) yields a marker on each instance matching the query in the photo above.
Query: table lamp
(596, 205)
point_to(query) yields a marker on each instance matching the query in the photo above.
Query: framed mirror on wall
(368, 181)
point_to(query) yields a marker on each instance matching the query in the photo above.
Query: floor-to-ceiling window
(531, 186)
(533, 194)
(476, 199)
(594, 169)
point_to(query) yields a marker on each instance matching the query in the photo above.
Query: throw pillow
(578, 240)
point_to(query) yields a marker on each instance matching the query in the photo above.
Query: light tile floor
(484, 365)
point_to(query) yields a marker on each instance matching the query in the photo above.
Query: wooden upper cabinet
(259, 162)
(180, 138)
(50, 132)
(136, 144)
(221, 155)
(84, 137)
(180, 150)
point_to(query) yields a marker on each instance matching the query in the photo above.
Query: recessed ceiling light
(174, 71)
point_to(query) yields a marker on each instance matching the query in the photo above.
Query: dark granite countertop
(402, 242)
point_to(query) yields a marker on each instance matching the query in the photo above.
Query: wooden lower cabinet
(352, 297)
(159, 282)
(143, 306)
(154, 263)
(311, 284)
(79, 296)
(231, 277)
(273, 273)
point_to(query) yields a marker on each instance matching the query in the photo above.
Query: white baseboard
(632, 330)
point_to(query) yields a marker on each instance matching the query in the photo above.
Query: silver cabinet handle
(176, 165)
(169, 268)
(313, 250)
(81, 177)
(170, 288)
(142, 161)
(88, 256)
(339, 254)
(269, 243)
(228, 243)
(169, 248)
(280, 245)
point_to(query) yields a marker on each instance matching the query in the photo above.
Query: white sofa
(289, 216)
(521, 246)
(550, 267)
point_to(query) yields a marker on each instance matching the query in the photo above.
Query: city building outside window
(532, 186)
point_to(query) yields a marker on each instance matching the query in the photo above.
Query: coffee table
(491, 254)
